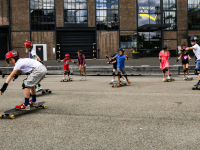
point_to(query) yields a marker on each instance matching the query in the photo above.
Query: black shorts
(115, 66)
(184, 62)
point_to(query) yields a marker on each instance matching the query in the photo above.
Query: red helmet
(184, 47)
(67, 55)
(11, 54)
(28, 44)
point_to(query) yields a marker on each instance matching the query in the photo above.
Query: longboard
(188, 79)
(44, 91)
(67, 80)
(169, 80)
(13, 112)
(121, 84)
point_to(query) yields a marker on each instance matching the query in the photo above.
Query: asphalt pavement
(148, 114)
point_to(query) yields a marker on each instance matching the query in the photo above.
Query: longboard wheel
(193, 88)
(12, 117)
(173, 79)
(49, 92)
(44, 106)
(125, 84)
(43, 92)
(169, 80)
(118, 85)
(113, 86)
(1, 116)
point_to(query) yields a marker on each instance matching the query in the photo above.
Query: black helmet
(165, 47)
(193, 38)
(121, 49)
(113, 55)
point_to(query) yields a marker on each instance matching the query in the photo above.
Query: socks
(33, 98)
(26, 101)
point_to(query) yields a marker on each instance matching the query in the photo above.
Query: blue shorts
(198, 65)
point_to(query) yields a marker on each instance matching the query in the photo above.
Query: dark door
(72, 41)
(3, 43)
(39, 51)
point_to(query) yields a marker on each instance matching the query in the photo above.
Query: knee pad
(195, 72)
(65, 72)
(184, 70)
(125, 75)
(164, 71)
(113, 73)
(68, 72)
(118, 74)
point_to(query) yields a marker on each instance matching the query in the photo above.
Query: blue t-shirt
(120, 61)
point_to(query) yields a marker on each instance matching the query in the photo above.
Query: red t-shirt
(66, 61)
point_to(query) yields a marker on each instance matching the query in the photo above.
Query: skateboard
(67, 80)
(44, 91)
(169, 80)
(13, 112)
(196, 87)
(121, 84)
(188, 79)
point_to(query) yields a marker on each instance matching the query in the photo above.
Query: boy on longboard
(66, 69)
(196, 49)
(32, 54)
(121, 65)
(37, 72)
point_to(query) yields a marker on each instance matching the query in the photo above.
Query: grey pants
(121, 71)
(35, 77)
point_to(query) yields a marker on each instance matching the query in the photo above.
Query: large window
(149, 43)
(194, 14)
(169, 13)
(75, 12)
(148, 12)
(107, 15)
(128, 41)
(42, 14)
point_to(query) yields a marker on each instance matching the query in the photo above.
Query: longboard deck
(169, 80)
(188, 79)
(67, 80)
(121, 84)
(44, 91)
(12, 112)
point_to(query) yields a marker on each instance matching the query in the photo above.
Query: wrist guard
(15, 76)
(107, 56)
(177, 60)
(4, 87)
(160, 60)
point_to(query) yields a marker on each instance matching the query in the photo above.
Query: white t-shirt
(196, 51)
(32, 54)
(26, 64)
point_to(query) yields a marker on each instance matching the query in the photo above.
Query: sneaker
(81, 78)
(197, 84)
(113, 80)
(85, 78)
(33, 103)
(184, 78)
(22, 107)
(168, 77)
(163, 80)
(188, 77)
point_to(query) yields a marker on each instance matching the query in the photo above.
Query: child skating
(66, 69)
(164, 56)
(32, 54)
(196, 49)
(121, 65)
(114, 62)
(37, 72)
(82, 64)
(185, 57)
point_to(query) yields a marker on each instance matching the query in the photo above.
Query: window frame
(118, 18)
(127, 42)
(30, 18)
(74, 24)
(188, 18)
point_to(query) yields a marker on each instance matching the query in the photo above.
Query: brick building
(98, 27)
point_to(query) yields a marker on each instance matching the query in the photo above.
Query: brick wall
(59, 13)
(107, 42)
(182, 35)
(171, 43)
(4, 13)
(45, 38)
(182, 14)
(19, 15)
(91, 13)
(169, 34)
(128, 14)
(17, 42)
